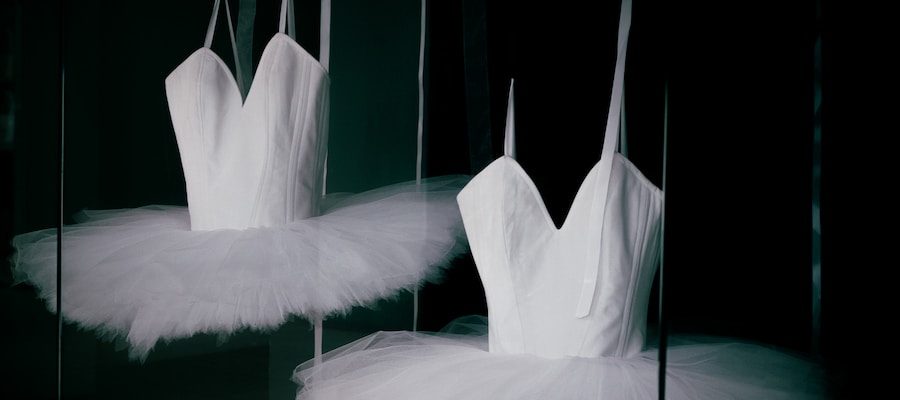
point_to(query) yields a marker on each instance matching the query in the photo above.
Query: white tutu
(144, 275)
(456, 365)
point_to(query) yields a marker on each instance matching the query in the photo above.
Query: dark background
(740, 156)
(740, 81)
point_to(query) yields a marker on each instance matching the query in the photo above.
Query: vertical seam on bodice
(636, 268)
(322, 128)
(292, 175)
(264, 173)
(204, 176)
(509, 271)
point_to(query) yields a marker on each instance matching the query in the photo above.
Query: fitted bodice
(581, 290)
(254, 162)
(533, 273)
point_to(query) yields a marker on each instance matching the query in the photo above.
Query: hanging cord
(420, 126)
(663, 330)
(324, 54)
(421, 122)
(61, 188)
(324, 61)
(817, 188)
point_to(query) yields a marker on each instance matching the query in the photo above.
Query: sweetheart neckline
(277, 37)
(540, 198)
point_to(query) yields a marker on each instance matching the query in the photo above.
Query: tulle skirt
(142, 274)
(456, 364)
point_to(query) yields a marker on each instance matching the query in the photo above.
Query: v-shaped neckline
(540, 199)
(266, 54)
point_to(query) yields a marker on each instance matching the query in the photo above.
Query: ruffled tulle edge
(120, 323)
(456, 361)
(140, 348)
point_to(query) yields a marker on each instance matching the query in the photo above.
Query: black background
(740, 81)
(740, 129)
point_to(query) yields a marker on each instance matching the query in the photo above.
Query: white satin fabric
(255, 162)
(533, 273)
(580, 290)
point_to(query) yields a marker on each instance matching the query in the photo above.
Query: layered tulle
(456, 364)
(144, 275)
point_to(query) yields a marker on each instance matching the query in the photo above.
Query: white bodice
(583, 289)
(254, 162)
(534, 274)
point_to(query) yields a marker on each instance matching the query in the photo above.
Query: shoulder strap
(210, 32)
(509, 133)
(615, 115)
(610, 142)
(623, 133)
(287, 17)
(324, 56)
(325, 34)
